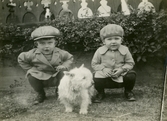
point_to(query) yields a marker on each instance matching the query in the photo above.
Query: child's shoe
(130, 96)
(99, 98)
(39, 99)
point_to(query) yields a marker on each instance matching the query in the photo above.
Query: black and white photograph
(83, 60)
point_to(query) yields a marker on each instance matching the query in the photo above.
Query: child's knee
(60, 74)
(56, 80)
(99, 83)
(98, 80)
(130, 76)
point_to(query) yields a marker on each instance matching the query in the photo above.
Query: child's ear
(122, 39)
(56, 43)
(35, 44)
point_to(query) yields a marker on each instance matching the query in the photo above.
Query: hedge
(145, 35)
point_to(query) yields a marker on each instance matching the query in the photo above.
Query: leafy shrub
(145, 35)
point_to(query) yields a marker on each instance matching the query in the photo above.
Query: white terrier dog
(76, 88)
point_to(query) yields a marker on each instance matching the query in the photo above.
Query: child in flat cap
(45, 63)
(113, 63)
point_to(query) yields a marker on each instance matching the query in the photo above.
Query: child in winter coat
(45, 63)
(113, 63)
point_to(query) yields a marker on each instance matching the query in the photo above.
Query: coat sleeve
(25, 61)
(67, 59)
(96, 62)
(129, 62)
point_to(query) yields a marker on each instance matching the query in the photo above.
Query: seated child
(45, 63)
(113, 63)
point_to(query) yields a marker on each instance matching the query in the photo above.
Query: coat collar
(41, 57)
(39, 52)
(121, 49)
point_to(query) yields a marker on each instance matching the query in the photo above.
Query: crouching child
(113, 63)
(45, 63)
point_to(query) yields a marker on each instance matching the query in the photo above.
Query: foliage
(145, 35)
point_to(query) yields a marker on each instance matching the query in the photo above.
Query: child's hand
(117, 72)
(60, 68)
(107, 72)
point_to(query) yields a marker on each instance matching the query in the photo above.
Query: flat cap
(45, 32)
(111, 30)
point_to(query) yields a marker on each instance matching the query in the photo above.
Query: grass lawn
(15, 104)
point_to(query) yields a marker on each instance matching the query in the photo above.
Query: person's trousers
(39, 85)
(128, 82)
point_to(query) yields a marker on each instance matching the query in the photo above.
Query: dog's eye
(84, 77)
(72, 75)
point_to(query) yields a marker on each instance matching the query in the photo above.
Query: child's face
(113, 42)
(46, 45)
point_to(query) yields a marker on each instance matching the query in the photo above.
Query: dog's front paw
(83, 111)
(68, 110)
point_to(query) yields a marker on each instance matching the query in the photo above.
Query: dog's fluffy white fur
(76, 88)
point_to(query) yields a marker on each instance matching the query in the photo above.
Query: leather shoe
(130, 96)
(39, 99)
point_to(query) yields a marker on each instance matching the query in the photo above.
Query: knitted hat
(45, 32)
(111, 30)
